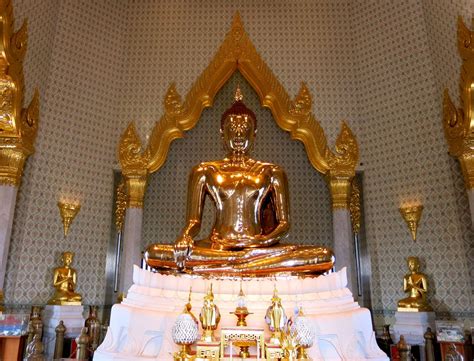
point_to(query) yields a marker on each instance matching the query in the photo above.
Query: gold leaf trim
(355, 207)
(18, 126)
(458, 123)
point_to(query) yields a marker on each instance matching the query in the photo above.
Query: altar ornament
(404, 349)
(209, 317)
(93, 328)
(241, 311)
(429, 337)
(276, 318)
(36, 323)
(65, 281)
(59, 343)
(240, 189)
(412, 215)
(82, 341)
(68, 212)
(458, 122)
(416, 284)
(304, 332)
(185, 332)
(34, 350)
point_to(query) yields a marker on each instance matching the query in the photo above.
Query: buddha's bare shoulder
(267, 166)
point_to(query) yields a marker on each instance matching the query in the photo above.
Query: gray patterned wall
(379, 65)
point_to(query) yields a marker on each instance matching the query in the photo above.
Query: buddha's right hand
(182, 250)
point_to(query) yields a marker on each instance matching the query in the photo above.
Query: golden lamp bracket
(18, 125)
(459, 122)
(68, 212)
(237, 52)
(412, 216)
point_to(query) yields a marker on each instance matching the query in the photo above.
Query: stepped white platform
(140, 327)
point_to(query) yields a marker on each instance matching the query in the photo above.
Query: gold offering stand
(242, 337)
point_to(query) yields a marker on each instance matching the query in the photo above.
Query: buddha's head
(67, 258)
(238, 127)
(413, 264)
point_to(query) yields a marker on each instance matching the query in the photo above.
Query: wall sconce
(412, 215)
(68, 211)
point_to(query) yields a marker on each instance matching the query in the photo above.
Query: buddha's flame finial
(238, 97)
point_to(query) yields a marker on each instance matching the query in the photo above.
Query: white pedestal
(72, 318)
(412, 325)
(140, 327)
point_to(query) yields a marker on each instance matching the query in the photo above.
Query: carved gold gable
(294, 116)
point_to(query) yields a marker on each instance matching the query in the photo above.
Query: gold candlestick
(412, 215)
(68, 211)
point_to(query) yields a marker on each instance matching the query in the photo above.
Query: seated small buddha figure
(64, 281)
(250, 198)
(416, 284)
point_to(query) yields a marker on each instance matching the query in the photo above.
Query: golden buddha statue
(252, 214)
(64, 280)
(416, 284)
(209, 317)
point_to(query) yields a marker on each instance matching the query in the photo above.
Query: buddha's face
(238, 134)
(413, 264)
(67, 259)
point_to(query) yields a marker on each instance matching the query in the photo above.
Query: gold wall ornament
(134, 163)
(459, 122)
(18, 125)
(354, 207)
(68, 212)
(412, 215)
(237, 52)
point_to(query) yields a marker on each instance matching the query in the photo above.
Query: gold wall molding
(237, 52)
(459, 122)
(18, 125)
(355, 206)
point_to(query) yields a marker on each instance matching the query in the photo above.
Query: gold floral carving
(294, 116)
(134, 164)
(120, 205)
(18, 126)
(459, 122)
(354, 206)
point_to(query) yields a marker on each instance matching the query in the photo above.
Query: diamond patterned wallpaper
(405, 155)
(380, 65)
(74, 57)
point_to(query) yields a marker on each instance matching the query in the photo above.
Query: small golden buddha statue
(276, 318)
(209, 317)
(416, 284)
(64, 281)
(252, 214)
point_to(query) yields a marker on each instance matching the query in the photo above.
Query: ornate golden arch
(294, 116)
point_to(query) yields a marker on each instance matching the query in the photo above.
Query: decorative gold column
(459, 122)
(340, 176)
(134, 164)
(18, 125)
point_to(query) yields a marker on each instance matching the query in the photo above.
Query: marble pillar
(131, 249)
(344, 245)
(7, 211)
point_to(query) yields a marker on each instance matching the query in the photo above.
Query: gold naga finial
(275, 297)
(238, 97)
(210, 295)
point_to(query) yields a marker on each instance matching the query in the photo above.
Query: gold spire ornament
(412, 215)
(276, 318)
(238, 97)
(68, 212)
(209, 317)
